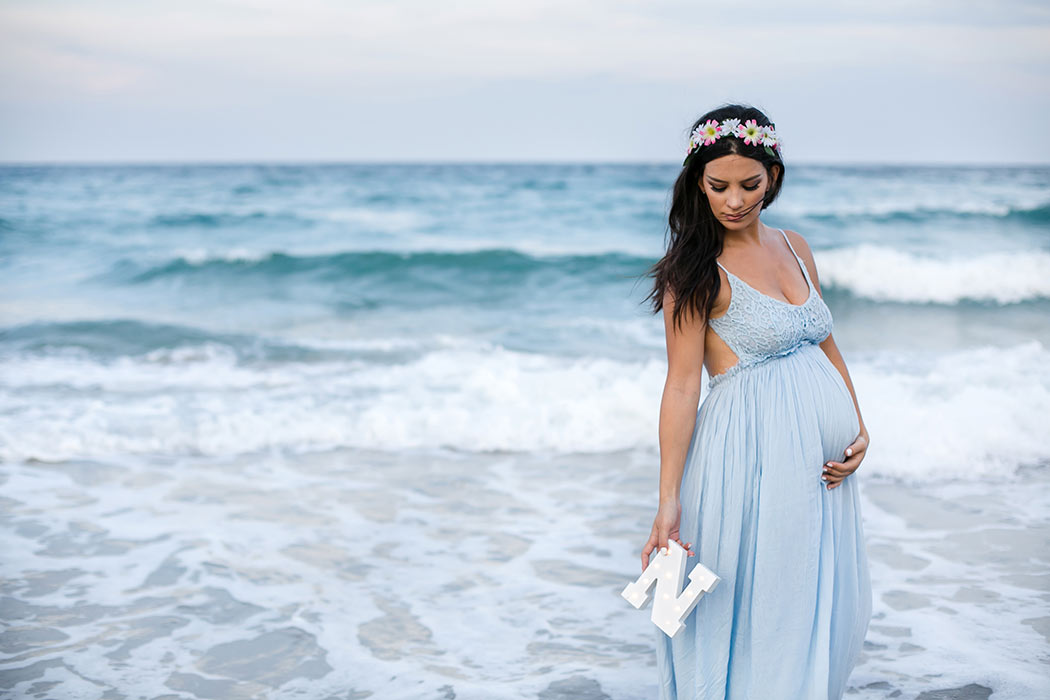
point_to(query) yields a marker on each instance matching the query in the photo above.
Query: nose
(734, 199)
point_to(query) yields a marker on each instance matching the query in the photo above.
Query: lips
(734, 218)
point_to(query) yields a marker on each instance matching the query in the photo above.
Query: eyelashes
(749, 189)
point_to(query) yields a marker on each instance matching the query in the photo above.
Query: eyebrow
(723, 182)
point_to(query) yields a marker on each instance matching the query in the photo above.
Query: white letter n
(667, 573)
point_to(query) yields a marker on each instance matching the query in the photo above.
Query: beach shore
(441, 574)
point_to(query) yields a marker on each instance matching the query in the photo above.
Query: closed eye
(750, 189)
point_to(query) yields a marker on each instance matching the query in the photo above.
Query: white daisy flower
(729, 126)
(696, 138)
(768, 137)
(750, 132)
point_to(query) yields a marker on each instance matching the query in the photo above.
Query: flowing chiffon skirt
(789, 617)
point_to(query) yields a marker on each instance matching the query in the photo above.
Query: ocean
(390, 430)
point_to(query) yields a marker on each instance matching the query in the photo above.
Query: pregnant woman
(760, 479)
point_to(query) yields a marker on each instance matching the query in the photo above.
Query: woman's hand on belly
(835, 472)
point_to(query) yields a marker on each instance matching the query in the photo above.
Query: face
(735, 186)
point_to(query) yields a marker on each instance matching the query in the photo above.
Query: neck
(752, 234)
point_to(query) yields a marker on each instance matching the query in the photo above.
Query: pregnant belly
(836, 414)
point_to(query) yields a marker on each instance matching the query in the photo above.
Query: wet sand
(427, 574)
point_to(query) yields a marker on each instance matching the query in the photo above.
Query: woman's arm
(681, 396)
(835, 471)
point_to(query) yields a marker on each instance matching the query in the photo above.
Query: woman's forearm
(677, 421)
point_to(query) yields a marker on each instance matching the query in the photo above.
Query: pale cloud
(357, 57)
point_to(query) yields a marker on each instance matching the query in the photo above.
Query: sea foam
(881, 273)
(972, 413)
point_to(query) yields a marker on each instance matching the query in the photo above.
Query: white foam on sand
(422, 574)
(961, 573)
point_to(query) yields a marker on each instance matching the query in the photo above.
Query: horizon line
(469, 162)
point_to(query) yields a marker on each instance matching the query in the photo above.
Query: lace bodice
(757, 327)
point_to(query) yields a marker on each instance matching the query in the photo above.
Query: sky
(916, 81)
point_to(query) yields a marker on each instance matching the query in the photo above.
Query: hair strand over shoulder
(695, 236)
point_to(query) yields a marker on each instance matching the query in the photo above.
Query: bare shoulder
(691, 319)
(798, 242)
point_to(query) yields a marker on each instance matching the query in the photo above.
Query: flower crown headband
(750, 132)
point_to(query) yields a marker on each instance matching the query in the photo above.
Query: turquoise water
(238, 402)
(353, 289)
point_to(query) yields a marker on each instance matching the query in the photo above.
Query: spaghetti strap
(789, 244)
(805, 270)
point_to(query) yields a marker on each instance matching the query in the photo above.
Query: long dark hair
(695, 237)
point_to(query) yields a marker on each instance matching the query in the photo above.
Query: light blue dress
(788, 619)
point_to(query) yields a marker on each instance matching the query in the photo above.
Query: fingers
(834, 472)
(652, 545)
(649, 547)
(840, 469)
(857, 448)
(657, 541)
(684, 545)
(846, 467)
(831, 482)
